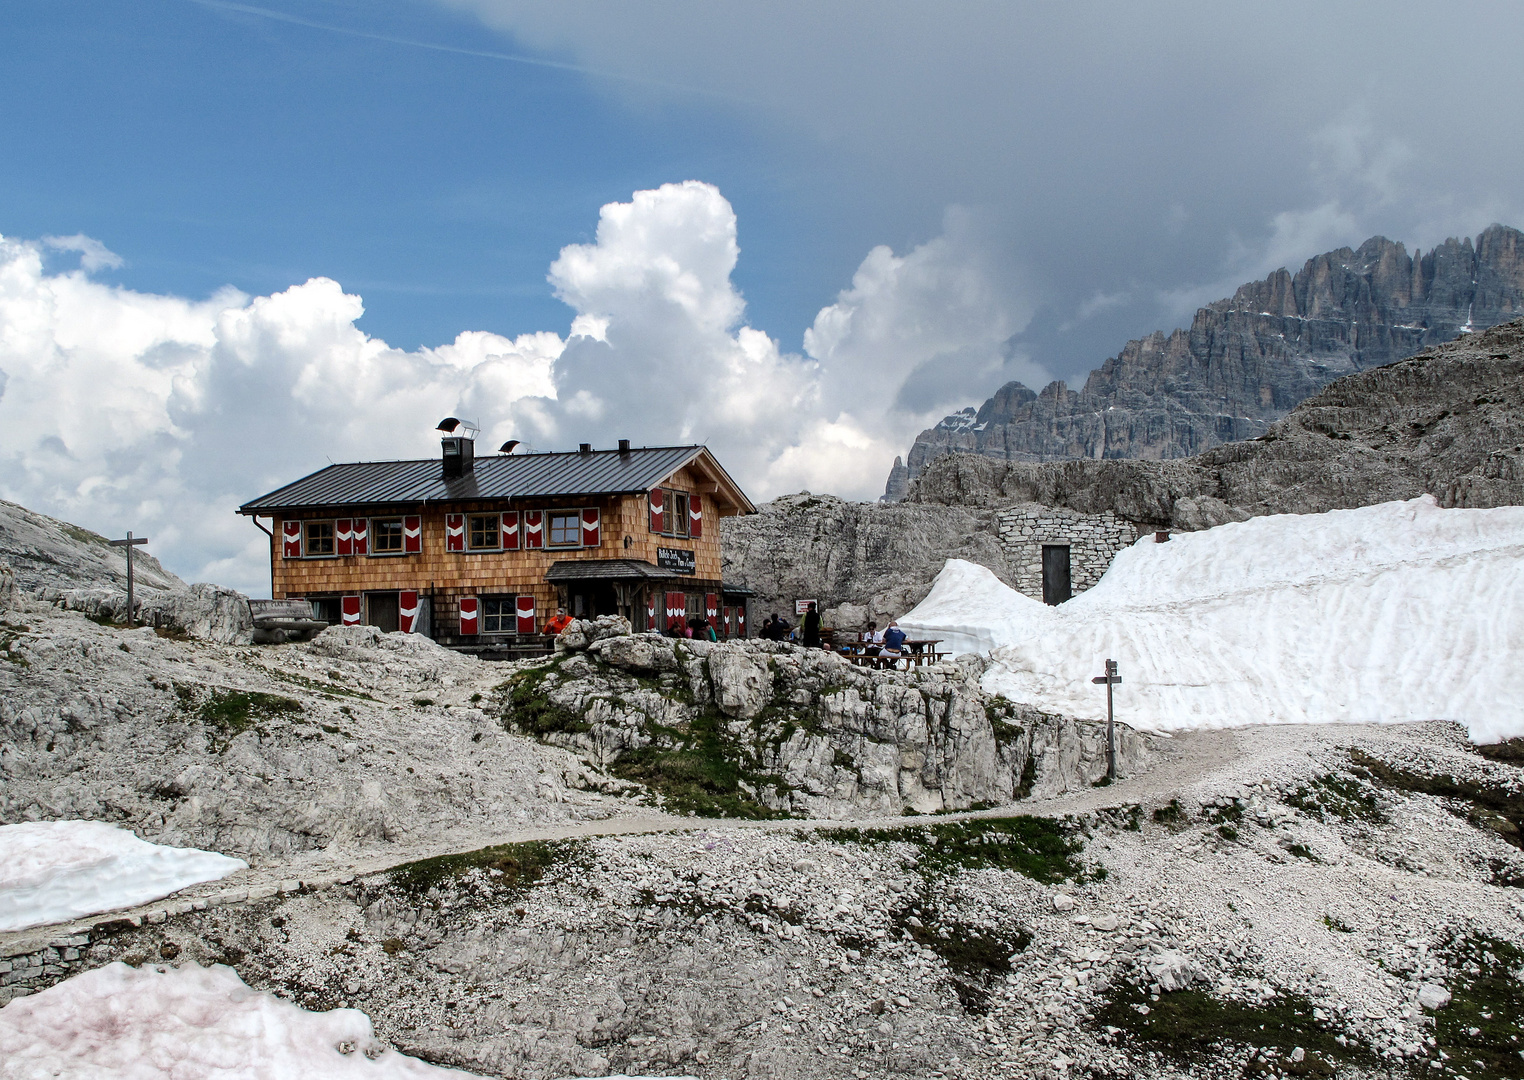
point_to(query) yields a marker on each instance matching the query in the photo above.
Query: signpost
(129, 544)
(1111, 678)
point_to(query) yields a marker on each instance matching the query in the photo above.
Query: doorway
(1055, 573)
(381, 611)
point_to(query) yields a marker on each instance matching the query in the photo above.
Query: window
(317, 538)
(674, 521)
(500, 615)
(565, 528)
(386, 536)
(484, 532)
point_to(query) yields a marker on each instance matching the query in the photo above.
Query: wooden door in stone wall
(1055, 573)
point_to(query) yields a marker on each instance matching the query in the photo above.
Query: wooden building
(478, 553)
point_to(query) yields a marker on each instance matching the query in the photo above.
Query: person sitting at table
(894, 640)
(872, 639)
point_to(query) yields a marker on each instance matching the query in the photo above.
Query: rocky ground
(1251, 902)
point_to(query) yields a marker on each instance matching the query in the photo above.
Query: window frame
(374, 550)
(333, 539)
(496, 532)
(551, 516)
(673, 523)
(508, 604)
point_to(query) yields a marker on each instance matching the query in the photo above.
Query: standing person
(894, 640)
(557, 622)
(812, 628)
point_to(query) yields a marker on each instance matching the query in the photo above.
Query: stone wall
(1093, 541)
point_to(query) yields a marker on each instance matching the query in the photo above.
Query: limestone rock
(1246, 360)
(1433, 996)
(9, 595)
(44, 552)
(1172, 970)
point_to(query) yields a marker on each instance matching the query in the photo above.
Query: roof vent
(459, 458)
(624, 447)
(585, 448)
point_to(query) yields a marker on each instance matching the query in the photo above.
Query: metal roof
(504, 476)
(605, 570)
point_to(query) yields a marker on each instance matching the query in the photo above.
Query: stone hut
(1056, 552)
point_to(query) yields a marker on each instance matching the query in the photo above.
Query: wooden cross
(1111, 678)
(129, 544)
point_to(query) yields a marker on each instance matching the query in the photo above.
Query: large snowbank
(55, 871)
(1398, 612)
(171, 1023)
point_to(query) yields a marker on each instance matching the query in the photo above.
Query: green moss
(532, 712)
(317, 685)
(8, 641)
(423, 702)
(1036, 847)
(701, 767)
(1510, 751)
(1302, 851)
(1189, 1025)
(1337, 925)
(976, 956)
(1490, 806)
(1342, 797)
(1227, 832)
(1169, 814)
(1028, 778)
(1487, 997)
(229, 713)
(518, 866)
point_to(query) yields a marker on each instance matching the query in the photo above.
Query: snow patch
(1385, 614)
(161, 1023)
(56, 871)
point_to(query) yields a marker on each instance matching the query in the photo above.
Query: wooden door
(1055, 573)
(381, 610)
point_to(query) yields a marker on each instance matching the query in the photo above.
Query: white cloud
(121, 410)
(94, 255)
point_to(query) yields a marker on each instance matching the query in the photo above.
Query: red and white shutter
(343, 537)
(291, 540)
(469, 608)
(412, 535)
(534, 529)
(712, 610)
(592, 532)
(511, 531)
(349, 608)
(695, 516)
(407, 610)
(658, 521)
(741, 621)
(524, 608)
(677, 607)
(455, 532)
(360, 528)
(651, 623)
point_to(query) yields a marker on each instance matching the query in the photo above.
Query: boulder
(1172, 970)
(10, 597)
(1433, 996)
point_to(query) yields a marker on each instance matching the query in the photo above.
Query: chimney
(459, 456)
(585, 448)
(624, 447)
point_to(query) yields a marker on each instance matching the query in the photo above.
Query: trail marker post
(1111, 678)
(129, 544)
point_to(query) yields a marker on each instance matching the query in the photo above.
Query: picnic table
(917, 651)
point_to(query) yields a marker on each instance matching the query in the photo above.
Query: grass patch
(1036, 847)
(517, 866)
(1336, 796)
(699, 769)
(1191, 1026)
(1492, 807)
(1028, 778)
(976, 956)
(1510, 751)
(1302, 851)
(532, 712)
(1487, 997)
(229, 713)
(8, 642)
(1337, 925)
(316, 685)
(1168, 814)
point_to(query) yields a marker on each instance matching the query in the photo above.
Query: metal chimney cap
(585, 448)
(624, 446)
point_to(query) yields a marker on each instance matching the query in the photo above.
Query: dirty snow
(160, 1023)
(1385, 614)
(55, 871)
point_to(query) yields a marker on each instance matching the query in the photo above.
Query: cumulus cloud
(120, 409)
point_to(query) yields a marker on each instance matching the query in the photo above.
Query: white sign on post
(802, 607)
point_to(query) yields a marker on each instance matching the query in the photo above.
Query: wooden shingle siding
(446, 575)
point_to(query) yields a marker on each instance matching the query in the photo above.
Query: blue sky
(242, 240)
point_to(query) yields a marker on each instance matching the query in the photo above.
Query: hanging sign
(677, 560)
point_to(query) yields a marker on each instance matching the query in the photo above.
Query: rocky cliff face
(1247, 360)
(748, 728)
(1449, 423)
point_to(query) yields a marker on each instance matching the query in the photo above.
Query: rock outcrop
(746, 727)
(1449, 423)
(47, 553)
(859, 561)
(1247, 360)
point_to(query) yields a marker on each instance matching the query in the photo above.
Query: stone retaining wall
(1093, 541)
